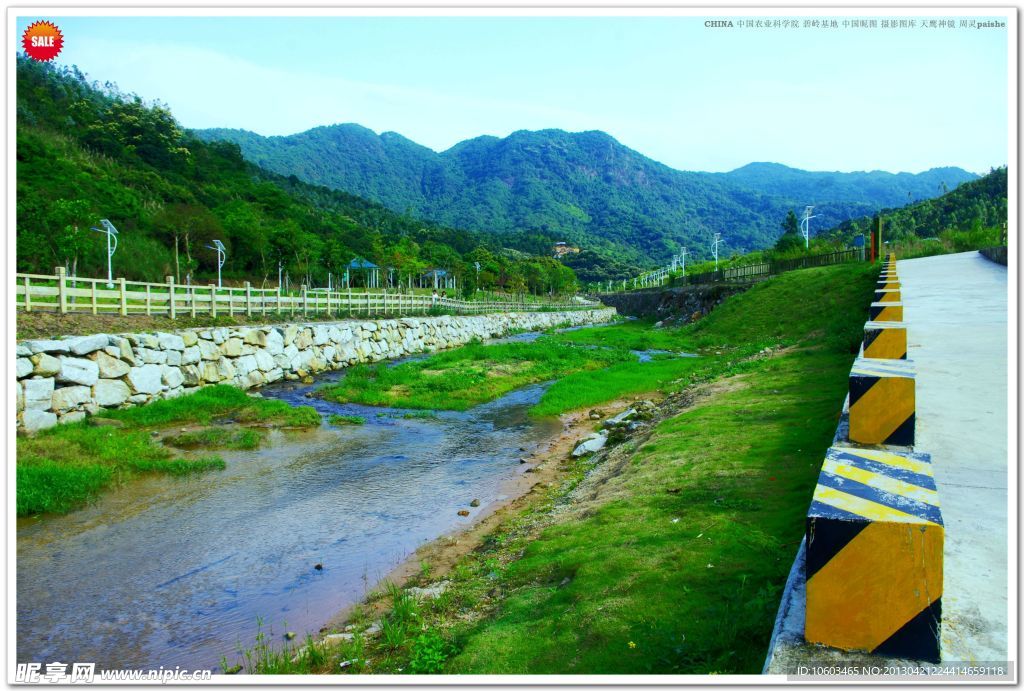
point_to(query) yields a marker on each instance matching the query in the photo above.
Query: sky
(690, 96)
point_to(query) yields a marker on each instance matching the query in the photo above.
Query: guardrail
(875, 534)
(64, 295)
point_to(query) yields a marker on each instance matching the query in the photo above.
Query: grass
(461, 378)
(215, 438)
(65, 467)
(341, 420)
(671, 556)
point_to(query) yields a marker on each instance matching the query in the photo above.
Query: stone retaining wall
(65, 380)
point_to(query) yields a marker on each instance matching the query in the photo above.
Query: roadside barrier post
(882, 405)
(886, 311)
(885, 340)
(875, 538)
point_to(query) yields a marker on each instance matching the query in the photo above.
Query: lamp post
(222, 254)
(806, 223)
(110, 231)
(714, 247)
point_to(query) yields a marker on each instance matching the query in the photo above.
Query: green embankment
(65, 467)
(671, 556)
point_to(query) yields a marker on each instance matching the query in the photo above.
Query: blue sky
(692, 97)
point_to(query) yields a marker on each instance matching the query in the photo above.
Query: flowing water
(169, 571)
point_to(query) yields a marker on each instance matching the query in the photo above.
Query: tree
(70, 221)
(188, 225)
(790, 238)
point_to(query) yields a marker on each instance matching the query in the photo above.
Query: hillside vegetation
(970, 217)
(584, 187)
(85, 151)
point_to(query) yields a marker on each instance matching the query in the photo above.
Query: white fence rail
(64, 295)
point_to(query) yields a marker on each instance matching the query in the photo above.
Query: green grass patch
(464, 377)
(65, 467)
(341, 420)
(216, 438)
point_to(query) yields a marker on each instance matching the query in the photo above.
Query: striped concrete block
(882, 402)
(885, 340)
(888, 284)
(887, 295)
(874, 555)
(886, 311)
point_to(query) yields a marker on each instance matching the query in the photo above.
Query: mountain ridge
(586, 186)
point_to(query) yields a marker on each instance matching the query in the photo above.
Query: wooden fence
(64, 295)
(756, 272)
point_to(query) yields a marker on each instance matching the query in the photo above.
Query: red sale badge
(42, 40)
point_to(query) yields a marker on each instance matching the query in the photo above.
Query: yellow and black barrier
(874, 555)
(885, 340)
(886, 311)
(882, 404)
(887, 295)
(888, 284)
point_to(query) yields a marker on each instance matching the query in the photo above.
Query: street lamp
(110, 231)
(806, 223)
(222, 254)
(714, 247)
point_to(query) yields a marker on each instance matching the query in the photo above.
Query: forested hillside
(86, 151)
(585, 187)
(974, 206)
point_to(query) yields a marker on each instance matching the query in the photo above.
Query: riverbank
(664, 553)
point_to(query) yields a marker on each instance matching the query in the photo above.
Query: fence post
(62, 286)
(385, 302)
(349, 300)
(149, 301)
(279, 299)
(171, 307)
(213, 300)
(248, 299)
(305, 300)
(28, 294)
(192, 294)
(95, 306)
(124, 296)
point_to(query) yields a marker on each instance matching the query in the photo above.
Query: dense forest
(585, 187)
(973, 207)
(86, 151)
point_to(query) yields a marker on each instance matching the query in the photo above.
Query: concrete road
(956, 311)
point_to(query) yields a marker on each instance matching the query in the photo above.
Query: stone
(35, 420)
(23, 367)
(171, 376)
(105, 422)
(170, 341)
(138, 398)
(463, 512)
(430, 592)
(255, 378)
(209, 372)
(189, 338)
(264, 361)
(275, 374)
(255, 337)
(592, 444)
(151, 356)
(320, 335)
(245, 364)
(225, 369)
(22, 350)
(77, 371)
(191, 375)
(38, 393)
(69, 397)
(145, 379)
(173, 358)
(110, 392)
(219, 335)
(72, 416)
(620, 419)
(475, 503)
(232, 347)
(49, 346)
(109, 367)
(191, 355)
(127, 353)
(274, 342)
(83, 345)
(209, 351)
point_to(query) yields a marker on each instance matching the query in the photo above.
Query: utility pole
(279, 274)
(806, 223)
(110, 231)
(682, 260)
(714, 247)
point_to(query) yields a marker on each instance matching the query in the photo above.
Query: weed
(341, 420)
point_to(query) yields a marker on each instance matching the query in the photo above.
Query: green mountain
(973, 207)
(583, 187)
(86, 151)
